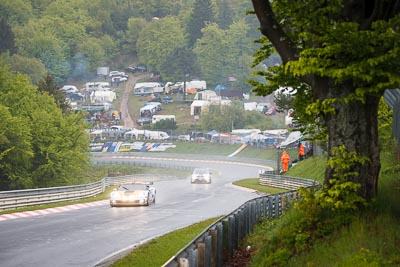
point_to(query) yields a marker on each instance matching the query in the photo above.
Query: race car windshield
(133, 187)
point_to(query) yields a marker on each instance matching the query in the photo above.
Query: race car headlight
(114, 195)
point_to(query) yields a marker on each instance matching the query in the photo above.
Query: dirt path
(126, 116)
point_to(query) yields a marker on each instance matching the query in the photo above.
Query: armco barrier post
(283, 203)
(248, 218)
(240, 224)
(220, 244)
(270, 207)
(277, 205)
(183, 262)
(237, 231)
(231, 232)
(208, 250)
(226, 240)
(253, 214)
(193, 257)
(201, 250)
(214, 246)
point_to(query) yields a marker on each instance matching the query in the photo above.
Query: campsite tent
(292, 139)
(199, 106)
(102, 96)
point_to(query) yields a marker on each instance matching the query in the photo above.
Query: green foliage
(166, 124)
(228, 117)
(15, 151)
(224, 17)
(319, 213)
(78, 36)
(342, 193)
(49, 86)
(184, 63)
(41, 147)
(29, 66)
(222, 118)
(135, 26)
(224, 53)
(6, 37)
(158, 40)
(202, 14)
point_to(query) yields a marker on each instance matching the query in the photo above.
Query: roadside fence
(217, 243)
(30, 197)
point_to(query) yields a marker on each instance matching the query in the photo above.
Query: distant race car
(201, 176)
(133, 194)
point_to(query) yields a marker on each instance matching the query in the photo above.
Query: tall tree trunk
(355, 126)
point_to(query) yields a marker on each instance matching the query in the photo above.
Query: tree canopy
(70, 39)
(39, 145)
(340, 56)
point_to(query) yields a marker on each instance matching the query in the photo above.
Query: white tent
(205, 95)
(292, 138)
(250, 106)
(102, 96)
(199, 106)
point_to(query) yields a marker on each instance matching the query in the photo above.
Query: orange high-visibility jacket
(285, 158)
(301, 150)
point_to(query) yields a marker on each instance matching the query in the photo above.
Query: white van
(157, 118)
(69, 89)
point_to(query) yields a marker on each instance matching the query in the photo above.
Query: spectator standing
(285, 159)
(301, 151)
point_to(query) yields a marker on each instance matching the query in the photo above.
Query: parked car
(201, 176)
(119, 78)
(130, 69)
(114, 73)
(143, 120)
(141, 68)
(137, 193)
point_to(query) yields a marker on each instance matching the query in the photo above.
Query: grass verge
(157, 251)
(372, 238)
(252, 183)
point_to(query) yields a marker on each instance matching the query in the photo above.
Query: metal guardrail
(214, 245)
(30, 197)
(272, 179)
(217, 243)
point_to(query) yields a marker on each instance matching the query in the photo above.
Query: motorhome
(148, 111)
(156, 135)
(97, 86)
(158, 105)
(194, 85)
(157, 118)
(146, 134)
(148, 88)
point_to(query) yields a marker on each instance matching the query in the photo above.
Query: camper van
(157, 105)
(148, 111)
(156, 135)
(157, 118)
(97, 86)
(143, 89)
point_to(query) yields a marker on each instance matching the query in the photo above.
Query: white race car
(201, 175)
(133, 194)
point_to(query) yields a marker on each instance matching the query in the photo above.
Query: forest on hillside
(212, 40)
